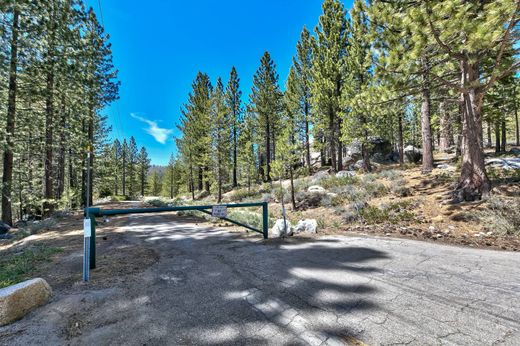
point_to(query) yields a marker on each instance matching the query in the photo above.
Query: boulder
(280, 230)
(392, 157)
(412, 154)
(308, 226)
(378, 158)
(515, 151)
(18, 300)
(202, 194)
(4, 228)
(316, 189)
(345, 174)
(320, 176)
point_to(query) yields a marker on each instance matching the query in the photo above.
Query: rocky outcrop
(281, 229)
(412, 154)
(18, 300)
(307, 226)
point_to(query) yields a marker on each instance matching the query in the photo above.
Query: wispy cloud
(160, 134)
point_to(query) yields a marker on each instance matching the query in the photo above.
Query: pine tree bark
(268, 150)
(497, 137)
(332, 138)
(307, 138)
(517, 128)
(235, 148)
(400, 139)
(489, 135)
(427, 158)
(7, 176)
(446, 134)
(473, 182)
(504, 134)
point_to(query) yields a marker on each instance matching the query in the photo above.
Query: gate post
(265, 220)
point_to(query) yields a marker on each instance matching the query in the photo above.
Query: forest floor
(402, 202)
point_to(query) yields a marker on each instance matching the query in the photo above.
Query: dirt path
(162, 279)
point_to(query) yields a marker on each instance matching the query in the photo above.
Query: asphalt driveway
(211, 286)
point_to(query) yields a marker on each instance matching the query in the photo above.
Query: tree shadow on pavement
(181, 282)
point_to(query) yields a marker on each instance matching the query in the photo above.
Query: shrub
(246, 217)
(388, 213)
(242, 194)
(332, 182)
(390, 174)
(309, 199)
(398, 187)
(501, 215)
(375, 189)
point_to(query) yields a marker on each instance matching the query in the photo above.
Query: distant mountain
(159, 169)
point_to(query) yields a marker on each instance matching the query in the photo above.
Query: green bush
(247, 217)
(390, 174)
(398, 187)
(501, 215)
(332, 182)
(241, 194)
(394, 212)
(375, 189)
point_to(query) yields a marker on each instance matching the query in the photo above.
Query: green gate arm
(100, 212)
(236, 222)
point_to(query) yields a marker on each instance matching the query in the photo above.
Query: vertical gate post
(265, 220)
(92, 241)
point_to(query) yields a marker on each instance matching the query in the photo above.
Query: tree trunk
(504, 134)
(124, 173)
(235, 144)
(400, 139)
(497, 137)
(489, 140)
(268, 151)
(201, 179)
(473, 182)
(427, 158)
(332, 138)
(517, 129)
(293, 199)
(7, 177)
(365, 155)
(307, 138)
(446, 134)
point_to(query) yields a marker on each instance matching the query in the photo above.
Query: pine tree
(143, 165)
(233, 101)
(222, 121)
(132, 171)
(328, 76)
(266, 103)
(298, 91)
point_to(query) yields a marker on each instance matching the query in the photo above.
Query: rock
(345, 174)
(4, 228)
(316, 189)
(332, 195)
(392, 157)
(505, 163)
(446, 167)
(320, 176)
(412, 154)
(18, 300)
(5, 236)
(202, 194)
(308, 226)
(515, 151)
(280, 230)
(378, 158)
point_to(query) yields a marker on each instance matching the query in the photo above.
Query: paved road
(216, 287)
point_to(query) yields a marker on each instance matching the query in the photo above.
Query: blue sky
(159, 46)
